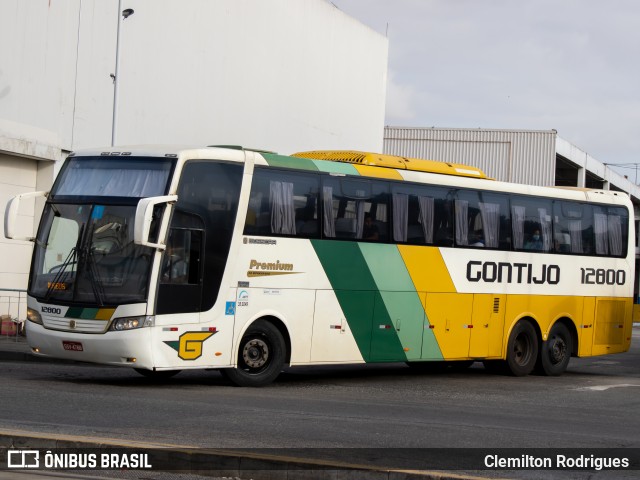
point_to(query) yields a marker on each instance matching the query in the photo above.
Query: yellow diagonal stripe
(427, 269)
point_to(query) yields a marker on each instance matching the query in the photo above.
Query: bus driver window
(175, 268)
(182, 257)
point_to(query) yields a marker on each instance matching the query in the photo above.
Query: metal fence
(13, 312)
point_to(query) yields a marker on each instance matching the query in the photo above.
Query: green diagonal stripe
(401, 300)
(336, 167)
(360, 300)
(81, 312)
(289, 162)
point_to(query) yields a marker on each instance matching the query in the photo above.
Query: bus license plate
(73, 346)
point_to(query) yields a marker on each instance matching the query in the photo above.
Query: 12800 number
(600, 276)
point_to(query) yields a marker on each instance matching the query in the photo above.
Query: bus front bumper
(129, 348)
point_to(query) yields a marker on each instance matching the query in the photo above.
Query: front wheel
(261, 356)
(522, 349)
(555, 353)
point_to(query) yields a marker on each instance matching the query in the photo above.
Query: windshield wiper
(92, 269)
(94, 277)
(71, 258)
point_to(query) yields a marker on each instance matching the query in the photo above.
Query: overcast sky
(569, 65)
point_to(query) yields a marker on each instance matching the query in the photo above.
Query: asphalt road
(595, 404)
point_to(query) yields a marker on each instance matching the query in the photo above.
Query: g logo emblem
(190, 347)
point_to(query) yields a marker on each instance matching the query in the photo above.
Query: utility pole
(122, 15)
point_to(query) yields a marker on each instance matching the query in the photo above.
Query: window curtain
(517, 223)
(426, 219)
(600, 229)
(117, 183)
(545, 229)
(283, 214)
(575, 235)
(490, 213)
(360, 218)
(462, 224)
(329, 224)
(615, 234)
(400, 216)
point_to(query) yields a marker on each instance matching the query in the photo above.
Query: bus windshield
(84, 250)
(85, 254)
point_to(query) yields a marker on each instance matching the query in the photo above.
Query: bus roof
(392, 161)
(366, 164)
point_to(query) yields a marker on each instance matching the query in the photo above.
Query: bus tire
(157, 374)
(555, 353)
(522, 349)
(261, 356)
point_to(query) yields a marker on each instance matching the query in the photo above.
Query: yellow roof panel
(392, 161)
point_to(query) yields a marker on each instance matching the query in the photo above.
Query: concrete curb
(225, 463)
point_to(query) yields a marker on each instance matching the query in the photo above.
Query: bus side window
(468, 222)
(481, 218)
(444, 220)
(419, 215)
(307, 215)
(376, 216)
(183, 256)
(572, 227)
(610, 230)
(531, 224)
(283, 203)
(355, 209)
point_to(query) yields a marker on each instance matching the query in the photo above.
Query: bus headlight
(130, 323)
(34, 316)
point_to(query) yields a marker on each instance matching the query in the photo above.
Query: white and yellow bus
(246, 261)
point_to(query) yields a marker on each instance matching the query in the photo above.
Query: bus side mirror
(11, 216)
(144, 216)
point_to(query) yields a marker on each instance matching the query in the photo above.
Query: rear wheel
(261, 356)
(522, 349)
(555, 353)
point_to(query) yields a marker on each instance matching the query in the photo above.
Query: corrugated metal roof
(521, 156)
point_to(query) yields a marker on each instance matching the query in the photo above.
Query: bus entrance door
(181, 272)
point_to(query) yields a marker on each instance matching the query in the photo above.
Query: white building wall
(284, 75)
(37, 47)
(17, 175)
